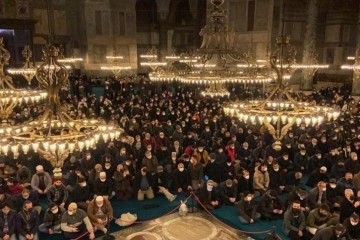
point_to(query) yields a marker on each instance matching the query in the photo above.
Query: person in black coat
(247, 209)
(208, 196)
(333, 195)
(316, 176)
(27, 222)
(270, 206)
(181, 180)
(349, 205)
(300, 195)
(81, 194)
(245, 184)
(161, 183)
(228, 192)
(103, 186)
(277, 178)
(352, 226)
(214, 171)
(10, 215)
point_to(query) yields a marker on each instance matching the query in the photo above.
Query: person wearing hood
(261, 179)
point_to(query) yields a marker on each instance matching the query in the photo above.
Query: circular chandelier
(10, 97)
(280, 111)
(214, 64)
(55, 134)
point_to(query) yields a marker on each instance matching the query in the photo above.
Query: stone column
(309, 44)
(355, 91)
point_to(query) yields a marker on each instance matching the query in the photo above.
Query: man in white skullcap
(41, 181)
(100, 212)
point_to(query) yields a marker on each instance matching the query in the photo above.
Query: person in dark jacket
(28, 222)
(160, 181)
(103, 186)
(270, 206)
(333, 195)
(181, 180)
(300, 195)
(143, 184)
(337, 232)
(228, 192)
(352, 226)
(317, 195)
(247, 210)
(58, 193)
(212, 169)
(7, 222)
(277, 178)
(52, 220)
(316, 176)
(245, 184)
(81, 194)
(208, 196)
(348, 205)
(294, 221)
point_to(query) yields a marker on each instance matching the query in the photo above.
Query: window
(250, 15)
(98, 23)
(99, 53)
(122, 24)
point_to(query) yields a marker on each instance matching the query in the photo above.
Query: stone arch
(179, 12)
(146, 13)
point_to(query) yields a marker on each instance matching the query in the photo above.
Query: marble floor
(197, 226)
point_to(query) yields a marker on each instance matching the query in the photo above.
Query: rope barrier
(260, 232)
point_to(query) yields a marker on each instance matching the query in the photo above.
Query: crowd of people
(177, 143)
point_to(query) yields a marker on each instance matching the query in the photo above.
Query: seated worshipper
(229, 170)
(346, 182)
(212, 169)
(208, 196)
(270, 206)
(143, 183)
(94, 175)
(285, 163)
(333, 195)
(23, 174)
(337, 232)
(316, 176)
(28, 222)
(122, 185)
(41, 181)
(228, 192)
(245, 183)
(181, 182)
(196, 171)
(13, 186)
(26, 194)
(75, 222)
(81, 194)
(349, 205)
(292, 180)
(247, 210)
(317, 195)
(320, 218)
(201, 154)
(8, 218)
(352, 164)
(160, 181)
(103, 186)
(150, 161)
(338, 170)
(52, 220)
(276, 178)
(316, 160)
(352, 226)
(300, 160)
(294, 221)
(58, 193)
(261, 179)
(100, 212)
(300, 195)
